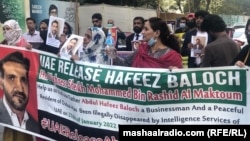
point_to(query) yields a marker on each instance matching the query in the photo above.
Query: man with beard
(97, 22)
(138, 24)
(223, 49)
(69, 49)
(54, 29)
(14, 81)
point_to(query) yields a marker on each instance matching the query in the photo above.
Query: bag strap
(245, 60)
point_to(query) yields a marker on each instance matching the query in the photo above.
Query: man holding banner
(15, 85)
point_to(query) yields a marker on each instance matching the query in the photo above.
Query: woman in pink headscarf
(13, 35)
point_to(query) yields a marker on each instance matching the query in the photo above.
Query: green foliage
(11, 10)
(233, 7)
(133, 3)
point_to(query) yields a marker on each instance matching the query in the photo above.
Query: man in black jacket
(187, 44)
(138, 24)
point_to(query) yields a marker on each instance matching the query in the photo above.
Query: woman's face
(7, 33)
(148, 32)
(6, 28)
(43, 26)
(87, 37)
(65, 29)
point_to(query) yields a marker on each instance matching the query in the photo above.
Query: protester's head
(14, 80)
(53, 10)
(110, 23)
(67, 29)
(72, 43)
(54, 27)
(155, 29)
(191, 23)
(182, 22)
(213, 24)
(138, 24)
(97, 37)
(199, 16)
(97, 20)
(190, 16)
(247, 31)
(44, 25)
(87, 37)
(31, 23)
(11, 32)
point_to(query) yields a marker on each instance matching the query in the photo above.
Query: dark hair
(213, 23)
(201, 13)
(69, 28)
(246, 29)
(55, 21)
(182, 18)
(16, 57)
(191, 23)
(74, 39)
(45, 21)
(51, 7)
(97, 16)
(139, 18)
(31, 19)
(165, 36)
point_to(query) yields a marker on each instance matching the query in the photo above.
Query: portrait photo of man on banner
(71, 46)
(55, 29)
(14, 82)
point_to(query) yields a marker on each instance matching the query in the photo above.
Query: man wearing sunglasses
(97, 22)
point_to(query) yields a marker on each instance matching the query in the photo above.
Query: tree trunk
(196, 5)
(178, 2)
(208, 4)
(125, 2)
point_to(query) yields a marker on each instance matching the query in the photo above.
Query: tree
(196, 4)
(179, 4)
(134, 3)
(208, 4)
(234, 7)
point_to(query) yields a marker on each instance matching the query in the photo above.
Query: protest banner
(84, 101)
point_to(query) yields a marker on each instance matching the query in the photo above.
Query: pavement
(1, 133)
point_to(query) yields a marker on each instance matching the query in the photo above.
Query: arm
(207, 58)
(127, 61)
(128, 43)
(241, 56)
(185, 50)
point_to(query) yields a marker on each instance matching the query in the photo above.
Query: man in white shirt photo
(54, 30)
(14, 81)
